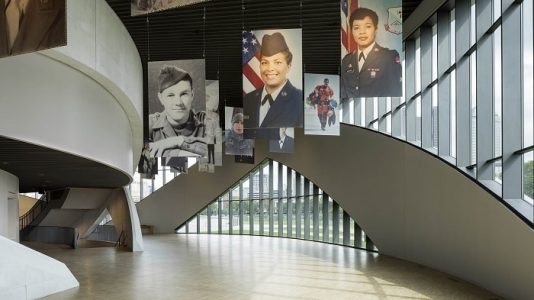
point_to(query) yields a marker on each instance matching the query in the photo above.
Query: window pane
(496, 9)
(246, 217)
(225, 217)
(135, 188)
(417, 65)
(528, 177)
(473, 33)
(473, 77)
(434, 116)
(434, 52)
(453, 113)
(147, 187)
(497, 93)
(452, 31)
(214, 218)
(528, 69)
(418, 119)
(203, 221)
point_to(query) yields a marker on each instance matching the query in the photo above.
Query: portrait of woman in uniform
(272, 81)
(370, 69)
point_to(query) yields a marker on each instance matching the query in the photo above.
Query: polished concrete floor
(246, 267)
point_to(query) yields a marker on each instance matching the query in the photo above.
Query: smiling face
(177, 100)
(274, 70)
(364, 32)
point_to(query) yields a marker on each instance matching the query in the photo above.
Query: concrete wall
(125, 218)
(28, 274)
(411, 204)
(25, 204)
(9, 206)
(84, 98)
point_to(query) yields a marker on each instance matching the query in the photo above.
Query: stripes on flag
(347, 42)
(251, 64)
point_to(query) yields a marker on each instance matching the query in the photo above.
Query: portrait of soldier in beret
(31, 25)
(178, 130)
(278, 103)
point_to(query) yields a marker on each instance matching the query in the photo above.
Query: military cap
(272, 44)
(237, 118)
(171, 75)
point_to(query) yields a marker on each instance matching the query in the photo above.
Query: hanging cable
(204, 34)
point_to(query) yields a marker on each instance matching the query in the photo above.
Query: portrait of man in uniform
(179, 129)
(31, 25)
(285, 143)
(370, 70)
(278, 102)
(236, 144)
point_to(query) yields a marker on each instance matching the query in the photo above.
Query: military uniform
(42, 26)
(321, 95)
(286, 111)
(236, 145)
(193, 132)
(380, 75)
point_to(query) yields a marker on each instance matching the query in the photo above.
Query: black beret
(272, 44)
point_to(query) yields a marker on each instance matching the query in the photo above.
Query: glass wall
(468, 96)
(274, 200)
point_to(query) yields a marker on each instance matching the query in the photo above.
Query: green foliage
(528, 178)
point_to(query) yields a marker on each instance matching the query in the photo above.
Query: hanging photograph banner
(371, 48)
(213, 129)
(272, 81)
(176, 107)
(285, 143)
(235, 142)
(148, 165)
(29, 26)
(321, 109)
(177, 164)
(143, 7)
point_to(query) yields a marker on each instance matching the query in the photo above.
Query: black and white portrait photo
(31, 25)
(177, 104)
(213, 129)
(148, 165)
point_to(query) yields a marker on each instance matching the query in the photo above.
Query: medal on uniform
(373, 74)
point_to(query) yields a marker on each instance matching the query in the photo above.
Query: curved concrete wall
(412, 205)
(9, 206)
(84, 98)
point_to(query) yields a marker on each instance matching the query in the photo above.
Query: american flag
(347, 42)
(251, 62)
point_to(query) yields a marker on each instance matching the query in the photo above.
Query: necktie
(361, 61)
(269, 98)
(13, 14)
(281, 144)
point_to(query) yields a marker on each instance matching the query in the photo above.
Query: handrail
(26, 219)
(121, 241)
